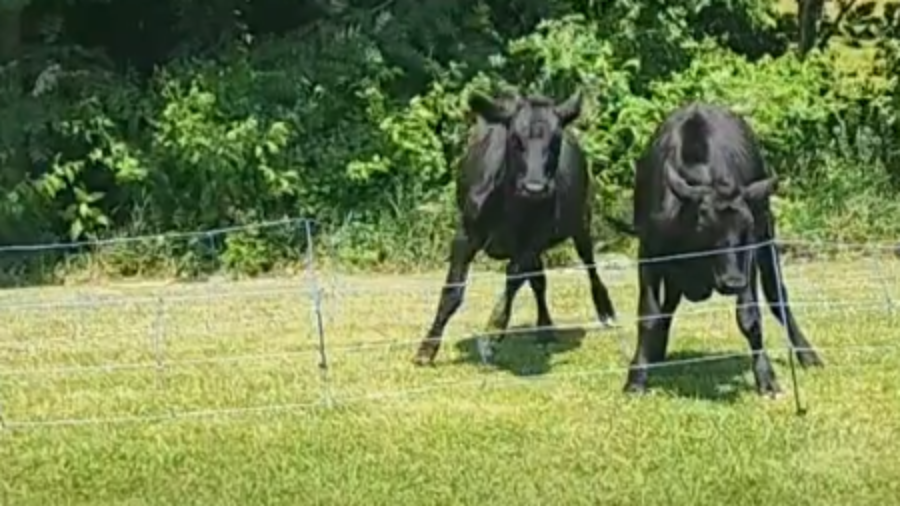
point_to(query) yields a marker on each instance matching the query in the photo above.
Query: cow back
(696, 135)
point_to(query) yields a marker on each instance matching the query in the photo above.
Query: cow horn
(760, 190)
(680, 187)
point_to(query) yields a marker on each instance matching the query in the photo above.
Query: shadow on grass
(703, 377)
(519, 352)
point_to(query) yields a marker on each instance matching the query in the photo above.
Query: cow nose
(534, 187)
(733, 284)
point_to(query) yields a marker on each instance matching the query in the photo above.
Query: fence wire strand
(180, 341)
(161, 363)
(484, 383)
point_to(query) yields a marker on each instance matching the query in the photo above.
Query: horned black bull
(523, 187)
(700, 185)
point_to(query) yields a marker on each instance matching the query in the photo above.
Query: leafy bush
(357, 120)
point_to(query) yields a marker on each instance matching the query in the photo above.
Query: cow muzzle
(730, 278)
(534, 190)
(731, 283)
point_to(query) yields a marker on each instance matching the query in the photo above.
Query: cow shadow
(519, 352)
(702, 375)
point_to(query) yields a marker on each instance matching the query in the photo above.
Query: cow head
(721, 219)
(534, 129)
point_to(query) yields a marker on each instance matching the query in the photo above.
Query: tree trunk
(809, 13)
(10, 33)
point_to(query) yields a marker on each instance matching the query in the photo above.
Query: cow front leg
(671, 299)
(603, 305)
(538, 282)
(649, 323)
(499, 320)
(749, 321)
(777, 296)
(462, 252)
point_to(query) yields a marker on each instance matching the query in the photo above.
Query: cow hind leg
(462, 252)
(777, 296)
(749, 321)
(603, 305)
(648, 326)
(499, 320)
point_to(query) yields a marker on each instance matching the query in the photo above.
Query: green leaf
(76, 229)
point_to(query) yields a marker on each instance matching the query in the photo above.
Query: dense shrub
(356, 118)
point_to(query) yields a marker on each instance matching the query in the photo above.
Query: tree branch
(845, 7)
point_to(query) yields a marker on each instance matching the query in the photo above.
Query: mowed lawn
(211, 395)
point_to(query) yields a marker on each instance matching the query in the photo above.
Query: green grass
(562, 434)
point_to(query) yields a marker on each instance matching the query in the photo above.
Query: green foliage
(356, 117)
(211, 167)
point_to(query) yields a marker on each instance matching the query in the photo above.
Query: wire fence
(125, 353)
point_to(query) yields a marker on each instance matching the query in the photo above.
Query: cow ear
(760, 190)
(488, 108)
(569, 110)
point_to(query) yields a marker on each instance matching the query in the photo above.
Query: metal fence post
(882, 280)
(316, 297)
(207, 325)
(782, 309)
(159, 350)
(3, 426)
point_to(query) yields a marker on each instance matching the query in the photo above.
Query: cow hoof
(422, 360)
(635, 389)
(809, 358)
(609, 322)
(775, 396)
(770, 390)
(772, 395)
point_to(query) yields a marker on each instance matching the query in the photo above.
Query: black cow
(700, 185)
(523, 187)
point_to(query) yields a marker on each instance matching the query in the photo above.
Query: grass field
(535, 430)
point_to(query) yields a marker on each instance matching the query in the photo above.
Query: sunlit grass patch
(221, 399)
